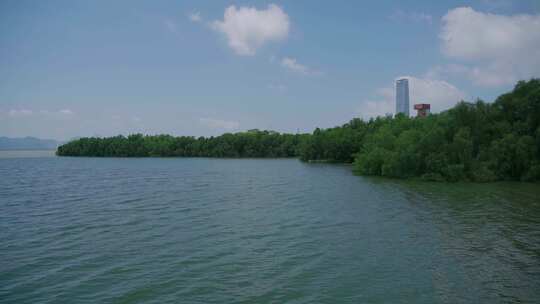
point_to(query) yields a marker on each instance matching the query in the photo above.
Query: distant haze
(27, 143)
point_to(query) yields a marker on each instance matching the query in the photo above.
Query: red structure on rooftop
(422, 109)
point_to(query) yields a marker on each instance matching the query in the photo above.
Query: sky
(203, 68)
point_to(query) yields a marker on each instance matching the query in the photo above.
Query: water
(173, 230)
(26, 153)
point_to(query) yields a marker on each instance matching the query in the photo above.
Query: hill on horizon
(28, 143)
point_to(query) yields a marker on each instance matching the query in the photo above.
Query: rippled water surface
(179, 230)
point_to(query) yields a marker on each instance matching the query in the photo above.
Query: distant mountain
(28, 143)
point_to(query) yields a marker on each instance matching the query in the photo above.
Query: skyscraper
(402, 96)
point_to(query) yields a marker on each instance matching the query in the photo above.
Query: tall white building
(402, 96)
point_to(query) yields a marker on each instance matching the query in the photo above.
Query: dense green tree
(253, 143)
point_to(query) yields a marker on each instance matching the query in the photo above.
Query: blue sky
(83, 68)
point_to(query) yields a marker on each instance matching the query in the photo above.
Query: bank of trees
(337, 144)
(253, 143)
(473, 141)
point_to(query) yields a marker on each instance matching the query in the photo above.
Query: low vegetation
(473, 141)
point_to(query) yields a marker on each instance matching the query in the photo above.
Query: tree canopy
(473, 141)
(253, 143)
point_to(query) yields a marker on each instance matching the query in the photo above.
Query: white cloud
(247, 28)
(293, 65)
(66, 112)
(440, 94)
(373, 108)
(42, 113)
(400, 15)
(19, 112)
(219, 124)
(496, 49)
(62, 112)
(195, 17)
(489, 75)
(277, 87)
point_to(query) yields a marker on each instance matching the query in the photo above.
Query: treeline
(473, 141)
(253, 143)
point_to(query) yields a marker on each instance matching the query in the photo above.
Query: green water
(158, 230)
